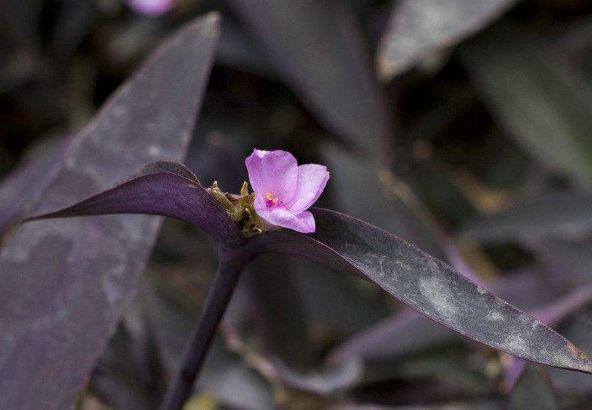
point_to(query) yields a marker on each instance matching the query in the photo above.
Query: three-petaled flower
(284, 190)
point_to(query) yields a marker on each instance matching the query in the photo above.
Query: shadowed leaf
(428, 285)
(22, 187)
(317, 47)
(418, 30)
(225, 375)
(533, 391)
(559, 213)
(536, 97)
(65, 282)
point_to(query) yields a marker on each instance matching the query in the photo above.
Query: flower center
(271, 200)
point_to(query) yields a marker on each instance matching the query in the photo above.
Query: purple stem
(227, 276)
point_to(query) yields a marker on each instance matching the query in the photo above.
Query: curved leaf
(538, 98)
(428, 285)
(64, 283)
(159, 193)
(318, 48)
(419, 30)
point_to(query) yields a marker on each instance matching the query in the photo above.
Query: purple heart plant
(277, 218)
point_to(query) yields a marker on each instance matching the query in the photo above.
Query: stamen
(270, 199)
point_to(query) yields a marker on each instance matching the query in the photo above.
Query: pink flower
(150, 7)
(284, 190)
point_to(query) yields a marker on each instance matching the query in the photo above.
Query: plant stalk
(225, 281)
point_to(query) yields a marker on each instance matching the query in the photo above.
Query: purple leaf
(406, 331)
(64, 283)
(551, 315)
(360, 193)
(553, 213)
(23, 186)
(158, 192)
(428, 285)
(531, 92)
(533, 391)
(419, 30)
(318, 49)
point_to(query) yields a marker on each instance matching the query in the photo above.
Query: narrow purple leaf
(550, 315)
(406, 331)
(64, 283)
(159, 193)
(428, 285)
(319, 50)
(419, 30)
(536, 96)
(533, 391)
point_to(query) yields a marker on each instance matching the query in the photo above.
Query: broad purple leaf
(22, 187)
(542, 102)
(420, 30)
(65, 282)
(428, 285)
(318, 49)
(176, 194)
(553, 213)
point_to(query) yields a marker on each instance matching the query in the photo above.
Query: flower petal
(150, 7)
(312, 179)
(303, 222)
(273, 171)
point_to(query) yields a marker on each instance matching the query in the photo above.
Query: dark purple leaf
(279, 311)
(533, 391)
(158, 192)
(65, 282)
(22, 187)
(578, 329)
(570, 261)
(318, 49)
(543, 103)
(551, 315)
(420, 30)
(402, 333)
(360, 193)
(407, 332)
(553, 213)
(428, 285)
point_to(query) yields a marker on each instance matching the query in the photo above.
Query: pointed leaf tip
(427, 285)
(161, 188)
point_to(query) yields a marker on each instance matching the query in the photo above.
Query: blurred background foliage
(463, 126)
